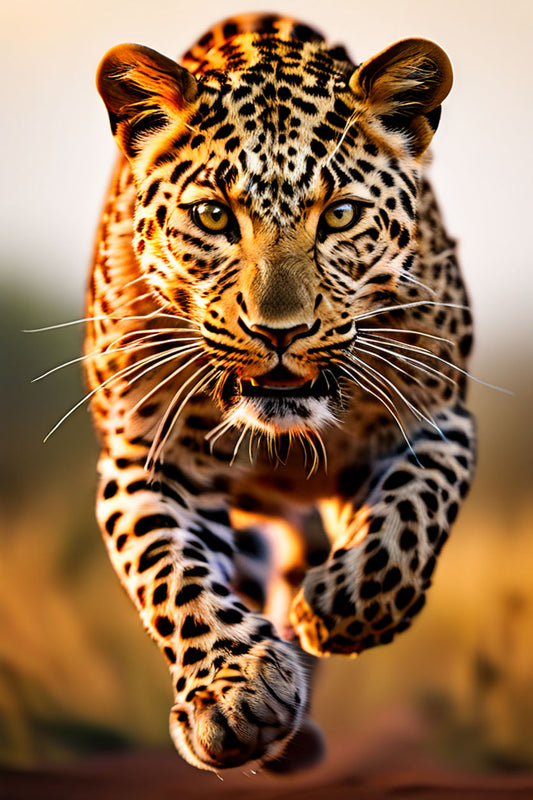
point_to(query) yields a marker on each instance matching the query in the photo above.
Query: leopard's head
(277, 206)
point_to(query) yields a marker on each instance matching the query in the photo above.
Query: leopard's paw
(342, 608)
(246, 710)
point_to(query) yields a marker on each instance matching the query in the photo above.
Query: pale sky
(57, 149)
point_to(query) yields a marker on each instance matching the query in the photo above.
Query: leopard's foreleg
(386, 543)
(240, 691)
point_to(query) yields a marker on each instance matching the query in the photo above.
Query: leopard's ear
(144, 92)
(405, 85)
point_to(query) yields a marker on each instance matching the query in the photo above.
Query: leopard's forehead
(271, 113)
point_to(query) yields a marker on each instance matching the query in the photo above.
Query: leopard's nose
(281, 338)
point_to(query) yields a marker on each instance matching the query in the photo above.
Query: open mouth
(280, 383)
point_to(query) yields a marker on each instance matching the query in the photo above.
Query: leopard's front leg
(387, 542)
(240, 692)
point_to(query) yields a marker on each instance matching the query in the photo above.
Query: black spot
(371, 611)
(397, 479)
(193, 655)
(180, 684)
(164, 626)
(153, 522)
(343, 604)
(112, 521)
(179, 169)
(391, 579)
(378, 561)
(406, 203)
(164, 572)
(408, 539)
(160, 594)
(355, 628)
(188, 593)
(430, 501)
(451, 513)
(220, 590)
(369, 589)
(407, 511)
(192, 552)
(404, 597)
(170, 654)
(152, 189)
(195, 572)
(465, 345)
(404, 239)
(417, 606)
(427, 572)
(121, 541)
(229, 616)
(153, 553)
(110, 489)
(376, 524)
(433, 533)
(192, 628)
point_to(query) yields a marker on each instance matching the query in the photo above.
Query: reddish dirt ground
(352, 771)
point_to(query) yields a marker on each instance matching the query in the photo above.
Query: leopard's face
(273, 212)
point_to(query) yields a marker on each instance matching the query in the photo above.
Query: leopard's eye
(212, 217)
(340, 216)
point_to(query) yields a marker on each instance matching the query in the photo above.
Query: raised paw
(340, 609)
(247, 709)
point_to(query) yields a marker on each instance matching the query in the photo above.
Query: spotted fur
(278, 336)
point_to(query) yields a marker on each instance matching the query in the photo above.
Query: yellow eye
(340, 216)
(212, 217)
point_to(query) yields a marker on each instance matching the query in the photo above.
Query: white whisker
(168, 378)
(430, 354)
(385, 309)
(419, 365)
(380, 395)
(238, 444)
(416, 411)
(158, 442)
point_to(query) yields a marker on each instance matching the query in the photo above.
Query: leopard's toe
(249, 711)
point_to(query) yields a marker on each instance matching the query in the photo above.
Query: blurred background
(77, 673)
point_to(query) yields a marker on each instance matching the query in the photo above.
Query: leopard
(276, 352)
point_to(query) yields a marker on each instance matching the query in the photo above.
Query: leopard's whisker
(218, 431)
(159, 440)
(405, 330)
(238, 443)
(168, 357)
(364, 382)
(386, 309)
(116, 376)
(430, 354)
(408, 360)
(111, 317)
(111, 351)
(391, 364)
(383, 380)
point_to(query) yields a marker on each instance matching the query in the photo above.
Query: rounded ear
(405, 85)
(144, 92)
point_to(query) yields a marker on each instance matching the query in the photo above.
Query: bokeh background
(77, 673)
